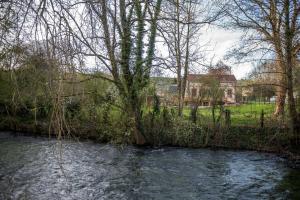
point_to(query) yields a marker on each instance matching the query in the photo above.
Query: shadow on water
(290, 184)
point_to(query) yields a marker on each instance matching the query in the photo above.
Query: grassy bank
(241, 115)
(165, 128)
(92, 109)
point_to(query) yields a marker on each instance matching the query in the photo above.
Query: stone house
(222, 75)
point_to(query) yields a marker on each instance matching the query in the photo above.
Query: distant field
(245, 114)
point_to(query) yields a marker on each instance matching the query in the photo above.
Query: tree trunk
(289, 68)
(187, 57)
(136, 115)
(138, 129)
(281, 89)
(178, 58)
(280, 101)
(291, 102)
(179, 88)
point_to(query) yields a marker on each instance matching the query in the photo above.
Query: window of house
(194, 92)
(229, 93)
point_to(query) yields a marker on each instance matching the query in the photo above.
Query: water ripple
(39, 168)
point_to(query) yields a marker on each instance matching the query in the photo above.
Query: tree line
(124, 37)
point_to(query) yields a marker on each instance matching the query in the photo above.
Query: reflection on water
(290, 184)
(32, 168)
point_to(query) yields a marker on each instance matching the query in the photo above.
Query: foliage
(42, 84)
(241, 115)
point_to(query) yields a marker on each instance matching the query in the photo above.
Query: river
(41, 168)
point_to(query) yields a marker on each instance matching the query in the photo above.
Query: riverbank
(184, 134)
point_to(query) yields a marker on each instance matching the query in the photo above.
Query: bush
(72, 107)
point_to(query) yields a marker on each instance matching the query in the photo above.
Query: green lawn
(245, 114)
(241, 115)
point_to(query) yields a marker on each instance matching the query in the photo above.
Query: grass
(241, 115)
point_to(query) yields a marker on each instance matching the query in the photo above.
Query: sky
(215, 43)
(220, 42)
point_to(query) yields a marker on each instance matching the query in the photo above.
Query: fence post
(227, 118)
(262, 119)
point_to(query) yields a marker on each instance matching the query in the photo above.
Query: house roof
(220, 77)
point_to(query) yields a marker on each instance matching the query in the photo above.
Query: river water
(42, 168)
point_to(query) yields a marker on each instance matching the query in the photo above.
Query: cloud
(220, 41)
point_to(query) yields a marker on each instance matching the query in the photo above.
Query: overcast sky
(220, 42)
(215, 43)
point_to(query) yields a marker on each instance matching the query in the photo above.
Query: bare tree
(121, 35)
(272, 28)
(180, 28)
(291, 49)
